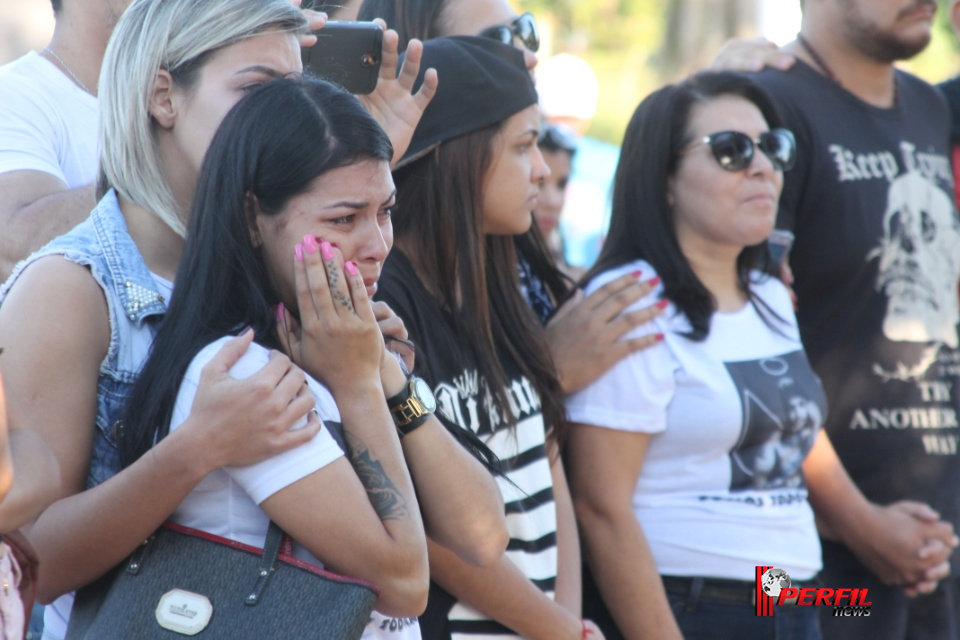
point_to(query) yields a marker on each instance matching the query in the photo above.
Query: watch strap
(406, 409)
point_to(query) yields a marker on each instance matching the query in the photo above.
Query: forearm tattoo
(386, 499)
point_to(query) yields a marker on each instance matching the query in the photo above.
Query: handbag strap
(268, 562)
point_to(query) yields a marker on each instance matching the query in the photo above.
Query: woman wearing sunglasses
(686, 461)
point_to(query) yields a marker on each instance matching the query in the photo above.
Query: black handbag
(184, 582)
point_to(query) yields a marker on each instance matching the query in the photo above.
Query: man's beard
(882, 46)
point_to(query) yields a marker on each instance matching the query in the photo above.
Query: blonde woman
(172, 71)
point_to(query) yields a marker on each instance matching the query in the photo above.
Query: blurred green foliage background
(635, 46)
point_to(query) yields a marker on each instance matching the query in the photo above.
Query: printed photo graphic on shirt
(783, 409)
(919, 264)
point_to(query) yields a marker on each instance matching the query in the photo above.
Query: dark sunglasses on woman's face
(523, 27)
(734, 150)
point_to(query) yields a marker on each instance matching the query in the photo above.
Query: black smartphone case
(347, 53)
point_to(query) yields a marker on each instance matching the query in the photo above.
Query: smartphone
(780, 242)
(346, 53)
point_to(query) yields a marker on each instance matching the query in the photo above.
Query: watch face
(422, 390)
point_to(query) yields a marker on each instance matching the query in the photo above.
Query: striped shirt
(465, 401)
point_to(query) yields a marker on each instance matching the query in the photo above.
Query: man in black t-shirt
(877, 263)
(951, 90)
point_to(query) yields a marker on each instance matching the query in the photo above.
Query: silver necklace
(68, 70)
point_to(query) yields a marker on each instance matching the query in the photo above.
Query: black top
(449, 365)
(877, 263)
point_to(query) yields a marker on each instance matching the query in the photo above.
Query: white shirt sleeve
(29, 139)
(47, 123)
(262, 480)
(634, 394)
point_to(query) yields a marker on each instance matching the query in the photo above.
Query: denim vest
(102, 244)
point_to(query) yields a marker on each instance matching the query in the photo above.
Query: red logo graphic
(774, 584)
(764, 601)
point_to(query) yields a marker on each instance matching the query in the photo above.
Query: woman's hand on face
(337, 339)
(393, 103)
(315, 22)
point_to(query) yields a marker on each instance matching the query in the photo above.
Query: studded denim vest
(102, 244)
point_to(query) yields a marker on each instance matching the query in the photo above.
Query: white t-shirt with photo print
(732, 417)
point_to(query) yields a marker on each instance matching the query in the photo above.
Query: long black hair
(270, 147)
(425, 20)
(642, 223)
(440, 219)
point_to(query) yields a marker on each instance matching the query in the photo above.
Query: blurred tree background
(635, 46)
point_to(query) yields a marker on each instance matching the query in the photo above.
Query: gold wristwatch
(412, 406)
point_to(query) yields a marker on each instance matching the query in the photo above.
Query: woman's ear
(251, 210)
(162, 105)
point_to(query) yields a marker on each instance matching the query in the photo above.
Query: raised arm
(363, 521)
(51, 363)
(393, 103)
(460, 502)
(604, 466)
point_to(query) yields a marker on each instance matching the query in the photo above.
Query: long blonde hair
(178, 36)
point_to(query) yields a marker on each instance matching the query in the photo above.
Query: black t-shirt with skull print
(877, 263)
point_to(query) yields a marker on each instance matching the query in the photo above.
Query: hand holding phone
(346, 53)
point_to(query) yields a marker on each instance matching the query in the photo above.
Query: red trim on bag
(284, 555)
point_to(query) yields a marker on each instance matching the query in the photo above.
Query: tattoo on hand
(386, 499)
(334, 278)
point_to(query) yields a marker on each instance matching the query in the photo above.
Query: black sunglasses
(523, 27)
(733, 150)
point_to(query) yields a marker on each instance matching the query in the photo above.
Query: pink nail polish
(280, 313)
(298, 252)
(659, 337)
(309, 244)
(637, 273)
(351, 267)
(654, 281)
(326, 251)
(662, 304)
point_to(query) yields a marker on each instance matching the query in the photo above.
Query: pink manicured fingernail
(654, 281)
(659, 337)
(309, 244)
(351, 267)
(321, 240)
(298, 252)
(662, 304)
(280, 313)
(326, 251)
(636, 274)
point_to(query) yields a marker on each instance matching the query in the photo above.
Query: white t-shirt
(47, 122)
(226, 502)
(732, 418)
